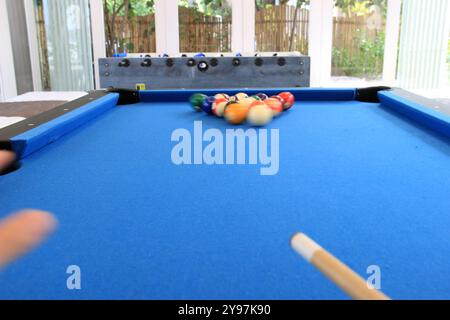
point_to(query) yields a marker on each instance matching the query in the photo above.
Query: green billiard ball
(196, 101)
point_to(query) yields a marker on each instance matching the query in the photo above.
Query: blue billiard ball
(207, 105)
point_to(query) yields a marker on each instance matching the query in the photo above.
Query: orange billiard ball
(236, 113)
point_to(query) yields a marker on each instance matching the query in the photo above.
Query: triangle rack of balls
(257, 110)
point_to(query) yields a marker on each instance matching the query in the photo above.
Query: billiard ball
(275, 105)
(247, 101)
(236, 113)
(262, 96)
(256, 97)
(207, 105)
(259, 115)
(196, 101)
(255, 103)
(241, 96)
(218, 107)
(289, 100)
(234, 99)
(278, 98)
(222, 96)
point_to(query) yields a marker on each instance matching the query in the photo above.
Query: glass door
(64, 32)
(358, 41)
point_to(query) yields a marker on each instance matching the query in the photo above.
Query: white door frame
(8, 86)
(320, 41)
(98, 36)
(167, 27)
(391, 41)
(243, 26)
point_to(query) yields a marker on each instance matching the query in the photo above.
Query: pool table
(364, 172)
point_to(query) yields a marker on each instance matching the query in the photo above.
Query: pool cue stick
(344, 277)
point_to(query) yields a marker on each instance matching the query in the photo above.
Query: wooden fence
(282, 28)
(358, 47)
(137, 33)
(200, 33)
(278, 28)
(347, 30)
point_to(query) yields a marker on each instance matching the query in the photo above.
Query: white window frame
(243, 37)
(321, 41)
(98, 36)
(8, 86)
(167, 27)
(391, 41)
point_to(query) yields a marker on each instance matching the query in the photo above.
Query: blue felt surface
(367, 184)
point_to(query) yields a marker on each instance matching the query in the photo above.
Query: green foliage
(208, 7)
(265, 4)
(366, 62)
(361, 7)
(135, 7)
(348, 6)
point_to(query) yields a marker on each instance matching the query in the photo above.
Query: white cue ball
(260, 115)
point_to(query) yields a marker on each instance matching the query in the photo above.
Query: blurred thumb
(23, 231)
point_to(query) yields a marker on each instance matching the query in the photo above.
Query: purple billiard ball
(262, 96)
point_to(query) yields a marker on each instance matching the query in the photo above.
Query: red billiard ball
(256, 103)
(288, 100)
(218, 107)
(275, 105)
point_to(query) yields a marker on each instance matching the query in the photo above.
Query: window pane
(64, 32)
(423, 47)
(205, 26)
(358, 39)
(282, 27)
(130, 26)
(448, 61)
